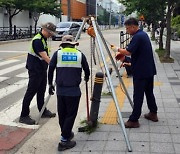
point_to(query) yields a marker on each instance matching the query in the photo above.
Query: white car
(66, 28)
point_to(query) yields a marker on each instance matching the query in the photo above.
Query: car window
(63, 25)
(74, 25)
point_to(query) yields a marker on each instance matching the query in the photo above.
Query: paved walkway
(162, 137)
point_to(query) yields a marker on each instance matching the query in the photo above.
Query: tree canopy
(154, 11)
(45, 7)
(36, 7)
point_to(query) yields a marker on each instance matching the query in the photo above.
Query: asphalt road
(14, 77)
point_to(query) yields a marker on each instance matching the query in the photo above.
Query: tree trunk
(10, 25)
(161, 38)
(36, 16)
(168, 26)
(153, 31)
(148, 28)
(35, 26)
(162, 25)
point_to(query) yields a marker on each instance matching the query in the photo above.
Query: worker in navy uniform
(126, 62)
(143, 71)
(68, 62)
(37, 64)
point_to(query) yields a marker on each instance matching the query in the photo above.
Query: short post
(30, 32)
(15, 33)
(96, 97)
(121, 39)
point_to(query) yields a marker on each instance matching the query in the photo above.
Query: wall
(22, 20)
(1, 17)
(78, 9)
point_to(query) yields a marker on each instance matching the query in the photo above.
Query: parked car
(66, 28)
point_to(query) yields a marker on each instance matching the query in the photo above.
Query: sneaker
(132, 124)
(66, 145)
(151, 116)
(27, 120)
(48, 114)
(71, 137)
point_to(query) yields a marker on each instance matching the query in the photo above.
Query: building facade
(74, 9)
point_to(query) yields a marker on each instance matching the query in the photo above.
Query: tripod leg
(43, 108)
(80, 29)
(110, 82)
(116, 69)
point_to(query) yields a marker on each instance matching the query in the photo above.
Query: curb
(14, 41)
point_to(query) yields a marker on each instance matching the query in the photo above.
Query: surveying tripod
(101, 40)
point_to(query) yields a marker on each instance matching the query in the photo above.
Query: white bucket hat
(68, 39)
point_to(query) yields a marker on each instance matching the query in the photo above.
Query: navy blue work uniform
(69, 63)
(143, 69)
(127, 67)
(37, 70)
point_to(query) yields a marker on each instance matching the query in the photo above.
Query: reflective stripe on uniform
(69, 57)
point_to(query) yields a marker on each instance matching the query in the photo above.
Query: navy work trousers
(37, 85)
(67, 111)
(141, 87)
(128, 70)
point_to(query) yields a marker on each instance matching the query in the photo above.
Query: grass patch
(87, 127)
(162, 58)
(106, 94)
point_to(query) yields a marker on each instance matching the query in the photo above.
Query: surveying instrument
(97, 34)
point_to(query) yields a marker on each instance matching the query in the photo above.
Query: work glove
(86, 79)
(114, 48)
(51, 90)
(119, 56)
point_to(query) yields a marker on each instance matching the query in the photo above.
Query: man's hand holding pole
(51, 90)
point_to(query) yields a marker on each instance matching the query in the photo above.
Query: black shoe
(48, 114)
(71, 137)
(27, 120)
(66, 145)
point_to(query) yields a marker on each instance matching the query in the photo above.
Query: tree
(13, 7)
(153, 11)
(38, 7)
(171, 4)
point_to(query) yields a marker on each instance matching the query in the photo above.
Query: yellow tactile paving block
(110, 116)
(157, 83)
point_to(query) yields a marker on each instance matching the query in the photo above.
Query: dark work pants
(142, 86)
(67, 110)
(128, 70)
(37, 85)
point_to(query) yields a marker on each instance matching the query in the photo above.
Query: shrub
(176, 24)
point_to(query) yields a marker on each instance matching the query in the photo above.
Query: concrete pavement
(162, 137)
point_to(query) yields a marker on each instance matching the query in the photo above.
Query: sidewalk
(162, 137)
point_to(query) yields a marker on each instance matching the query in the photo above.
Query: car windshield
(63, 25)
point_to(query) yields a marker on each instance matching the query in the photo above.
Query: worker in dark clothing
(126, 62)
(69, 63)
(143, 70)
(37, 64)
